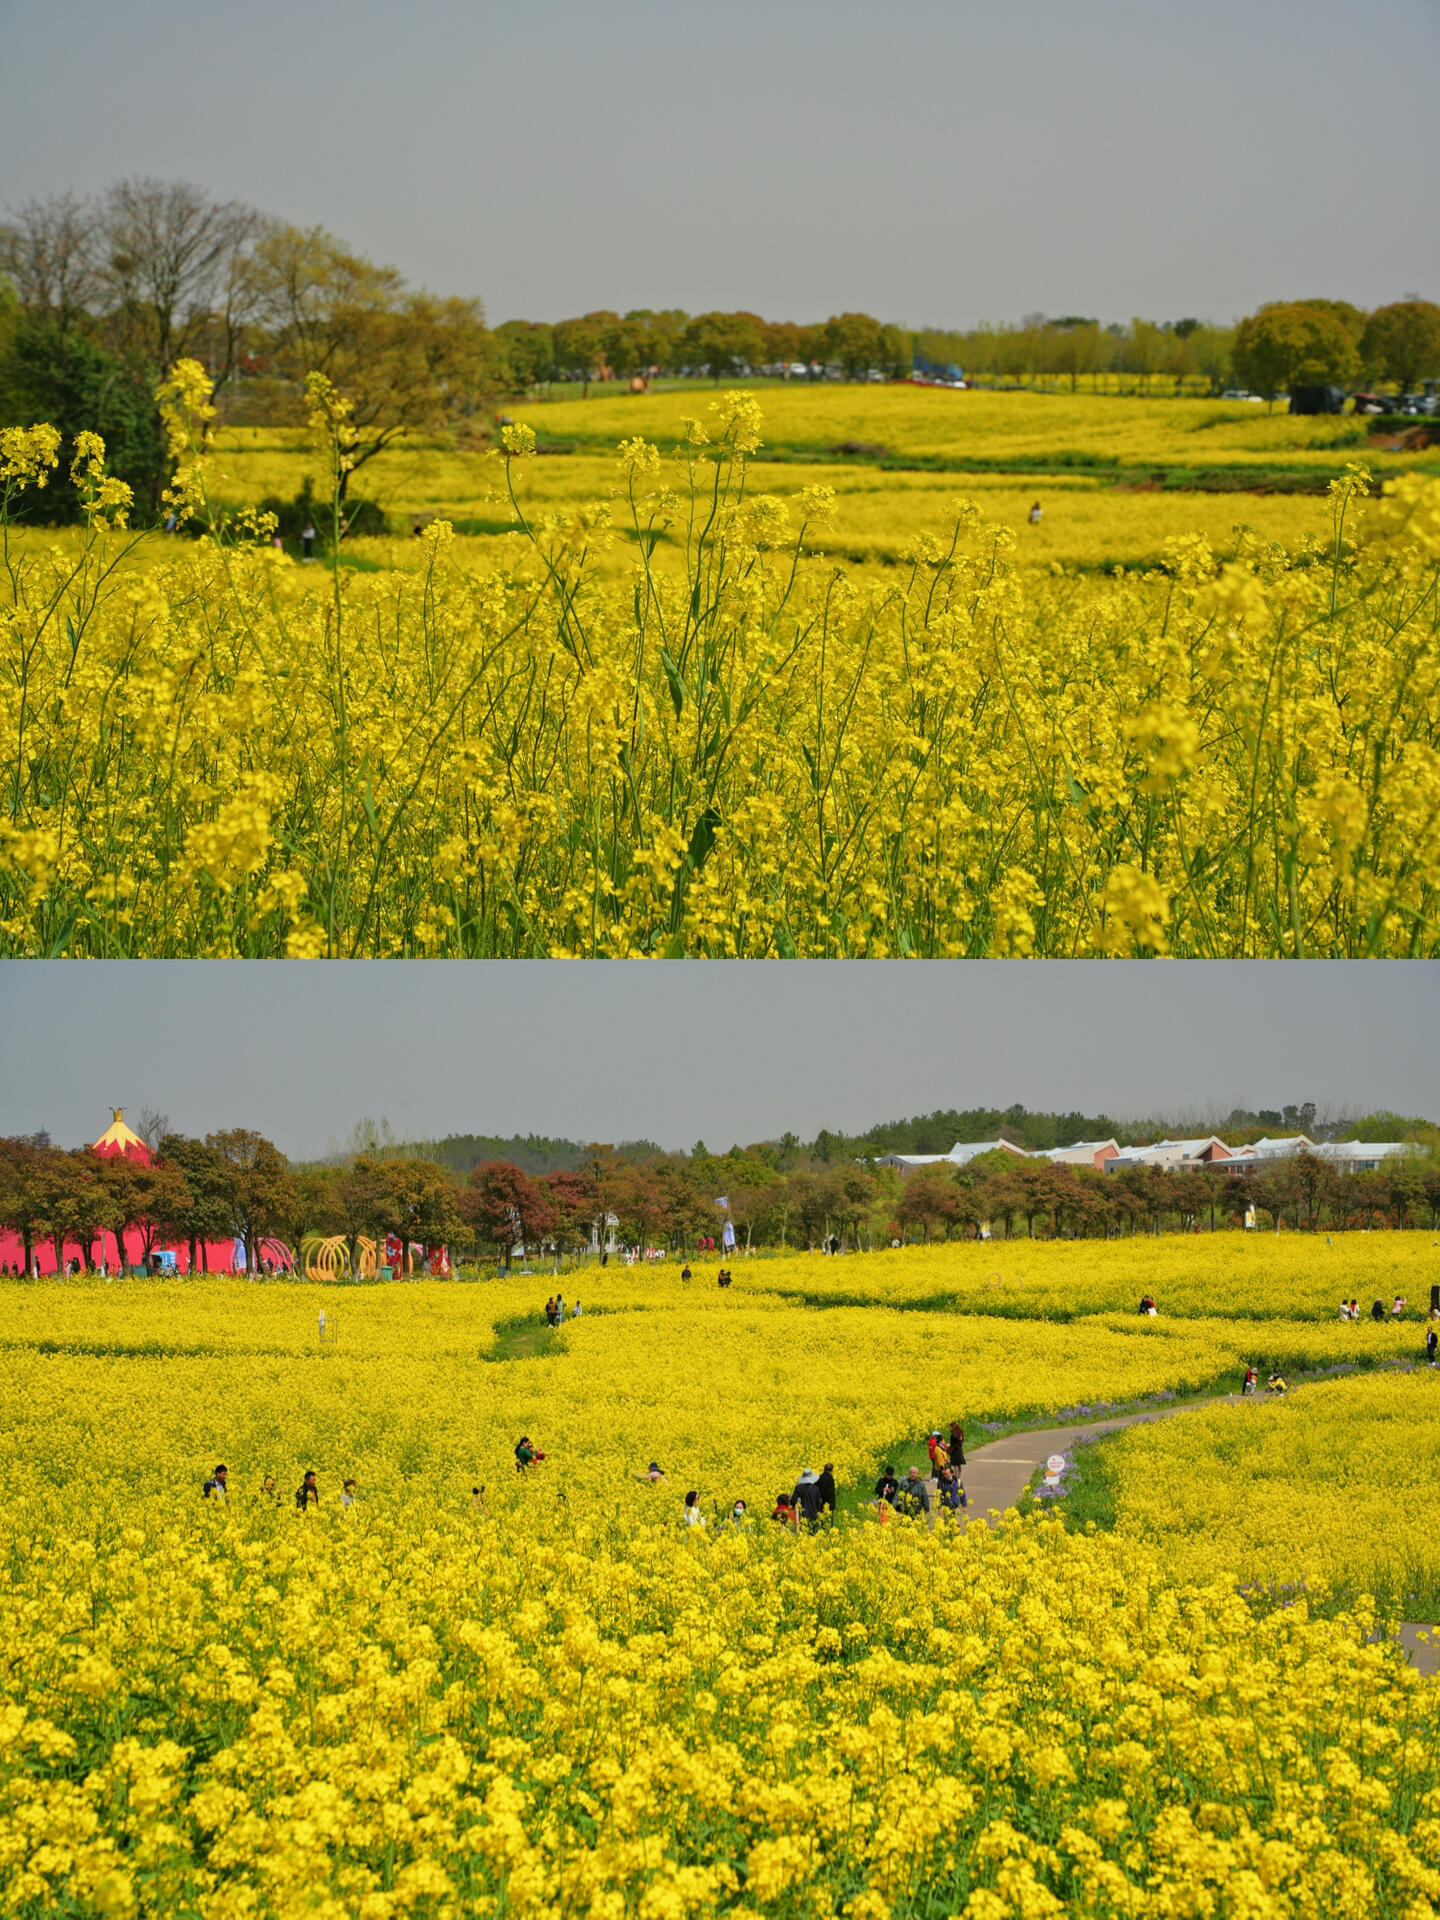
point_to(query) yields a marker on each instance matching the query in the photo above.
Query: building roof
(959, 1155)
(118, 1138)
(1365, 1149)
(1075, 1147)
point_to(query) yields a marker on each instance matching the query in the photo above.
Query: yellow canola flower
(554, 1698)
(962, 758)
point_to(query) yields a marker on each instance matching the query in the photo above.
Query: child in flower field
(1252, 1380)
(693, 1516)
(526, 1453)
(784, 1511)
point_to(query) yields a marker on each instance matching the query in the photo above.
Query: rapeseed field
(551, 1697)
(747, 753)
(1338, 1488)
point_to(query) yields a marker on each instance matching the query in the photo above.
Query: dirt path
(998, 1473)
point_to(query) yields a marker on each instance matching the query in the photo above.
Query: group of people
(555, 1310)
(307, 1494)
(811, 1503)
(1275, 1384)
(1350, 1309)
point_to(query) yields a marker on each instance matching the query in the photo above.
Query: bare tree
(175, 263)
(48, 247)
(153, 1127)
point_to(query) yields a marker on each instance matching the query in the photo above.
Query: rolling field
(667, 724)
(557, 1699)
(1116, 478)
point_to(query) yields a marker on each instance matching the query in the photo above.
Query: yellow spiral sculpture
(330, 1259)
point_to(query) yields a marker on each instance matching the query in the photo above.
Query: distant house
(1083, 1153)
(1363, 1156)
(1346, 1156)
(960, 1155)
(1263, 1152)
(1175, 1156)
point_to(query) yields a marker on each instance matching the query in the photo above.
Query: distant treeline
(538, 1154)
(100, 297)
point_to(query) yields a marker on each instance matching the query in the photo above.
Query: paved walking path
(997, 1473)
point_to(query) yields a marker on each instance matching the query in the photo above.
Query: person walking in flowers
(307, 1494)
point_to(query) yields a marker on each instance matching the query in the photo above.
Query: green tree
(256, 1182)
(1402, 343)
(207, 1215)
(580, 346)
(418, 1202)
(405, 360)
(1297, 345)
(153, 1200)
(723, 343)
(64, 376)
(528, 347)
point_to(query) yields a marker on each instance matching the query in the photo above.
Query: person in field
(1377, 1312)
(217, 1486)
(949, 1489)
(1432, 1340)
(913, 1496)
(693, 1516)
(806, 1498)
(307, 1494)
(1034, 514)
(955, 1445)
(887, 1486)
(938, 1456)
(526, 1453)
(348, 1493)
(652, 1474)
(825, 1486)
(1251, 1381)
(784, 1511)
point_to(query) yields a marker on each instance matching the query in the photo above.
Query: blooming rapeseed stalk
(960, 758)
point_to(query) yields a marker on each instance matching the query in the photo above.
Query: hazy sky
(680, 1051)
(935, 161)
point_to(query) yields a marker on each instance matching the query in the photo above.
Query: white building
(1083, 1153)
(960, 1155)
(1363, 1156)
(1175, 1156)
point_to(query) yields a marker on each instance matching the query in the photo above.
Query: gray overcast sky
(679, 1051)
(935, 161)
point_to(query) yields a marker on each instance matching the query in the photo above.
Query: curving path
(997, 1473)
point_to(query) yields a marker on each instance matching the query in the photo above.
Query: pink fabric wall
(219, 1254)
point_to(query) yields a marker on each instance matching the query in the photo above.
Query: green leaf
(677, 685)
(702, 839)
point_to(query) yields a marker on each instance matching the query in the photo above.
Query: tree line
(235, 1183)
(101, 296)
